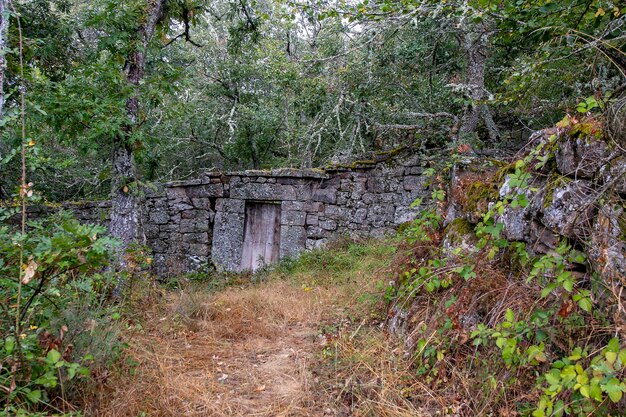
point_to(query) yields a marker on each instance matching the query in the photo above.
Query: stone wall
(575, 188)
(201, 222)
(189, 224)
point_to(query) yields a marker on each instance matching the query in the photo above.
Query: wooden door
(261, 235)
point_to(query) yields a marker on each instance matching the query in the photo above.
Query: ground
(278, 347)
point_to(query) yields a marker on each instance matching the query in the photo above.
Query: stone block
(176, 194)
(293, 206)
(325, 195)
(201, 203)
(293, 218)
(312, 219)
(230, 205)
(193, 225)
(375, 185)
(329, 225)
(316, 232)
(315, 207)
(178, 206)
(151, 231)
(198, 249)
(267, 192)
(292, 240)
(205, 191)
(381, 215)
(368, 198)
(228, 240)
(389, 197)
(159, 217)
(570, 209)
(198, 237)
(360, 215)
(159, 246)
(580, 157)
(413, 182)
(404, 214)
(187, 226)
(194, 214)
(335, 212)
(417, 170)
(343, 198)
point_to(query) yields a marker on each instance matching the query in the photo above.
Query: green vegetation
(100, 99)
(57, 327)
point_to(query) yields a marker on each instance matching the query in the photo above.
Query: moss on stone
(555, 181)
(392, 152)
(461, 227)
(480, 194)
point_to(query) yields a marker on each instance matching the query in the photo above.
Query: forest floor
(305, 340)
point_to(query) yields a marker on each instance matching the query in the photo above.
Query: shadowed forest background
(260, 84)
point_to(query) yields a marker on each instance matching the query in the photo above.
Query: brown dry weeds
(300, 345)
(242, 352)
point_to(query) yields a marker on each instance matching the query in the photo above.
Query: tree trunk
(4, 28)
(475, 42)
(125, 207)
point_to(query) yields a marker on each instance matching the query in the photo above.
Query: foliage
(551, 333)
(259, 84)
(54, 324)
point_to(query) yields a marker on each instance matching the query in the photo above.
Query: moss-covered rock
(460, 234)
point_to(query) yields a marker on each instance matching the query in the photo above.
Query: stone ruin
(237, 221)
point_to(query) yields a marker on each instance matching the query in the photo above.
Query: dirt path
(271, 377)
(242, 352)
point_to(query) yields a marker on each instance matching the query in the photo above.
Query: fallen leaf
(29, 273)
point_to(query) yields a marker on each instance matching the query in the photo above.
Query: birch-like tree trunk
(4, 28)
(125, 207)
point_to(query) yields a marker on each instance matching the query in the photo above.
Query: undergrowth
(499, 330)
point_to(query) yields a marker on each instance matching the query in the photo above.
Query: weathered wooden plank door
(261, 235)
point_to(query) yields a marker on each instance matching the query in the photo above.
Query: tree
(125, 211)
(4, 29)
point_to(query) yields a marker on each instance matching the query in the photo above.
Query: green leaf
(613, 345)
(34, 396)
(509, 315)
(594, 390)
(553, 377)
(585, 304)
(615, 389)
(9, 345)
(568, 285)
(611, 357)
(584, 391)
(53, 356)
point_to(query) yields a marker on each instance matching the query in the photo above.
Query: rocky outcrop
(577, 192)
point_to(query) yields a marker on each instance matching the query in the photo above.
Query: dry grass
(245, 351)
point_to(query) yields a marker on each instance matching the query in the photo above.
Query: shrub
(55, 324)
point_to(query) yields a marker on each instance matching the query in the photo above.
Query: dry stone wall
(189, 224)
(201, 223)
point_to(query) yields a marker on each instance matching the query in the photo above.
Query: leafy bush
(543, 334)
(55, 324)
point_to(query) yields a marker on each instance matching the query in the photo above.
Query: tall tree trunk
(475, 42)
(125, 207)
(4, 28)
